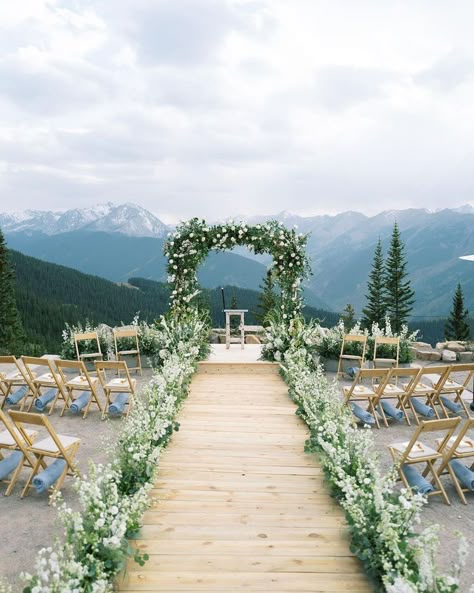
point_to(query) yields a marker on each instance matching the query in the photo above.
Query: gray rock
(252, 339)
(449, 356)
(465, 356)
(428, 355)
(455, 346)
(422, 345)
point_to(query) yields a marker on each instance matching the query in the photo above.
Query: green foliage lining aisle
(113, 497)
(190, 244)
(381, 518)
(11, 331)
(457, 325)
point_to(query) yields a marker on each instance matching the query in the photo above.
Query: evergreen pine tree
(399, 294)
(11, 331)
(348, 317)
(267, 299)
(234, 320)
(375, 310)
(457, 326)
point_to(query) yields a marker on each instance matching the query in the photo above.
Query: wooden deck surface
(240, 506)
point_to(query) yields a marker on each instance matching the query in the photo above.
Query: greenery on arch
(192, 241)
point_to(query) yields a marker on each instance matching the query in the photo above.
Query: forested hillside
(49, 295)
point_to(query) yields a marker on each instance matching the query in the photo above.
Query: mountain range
(128, 219)
(119, 241)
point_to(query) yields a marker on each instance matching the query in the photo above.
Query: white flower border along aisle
(381, 518)
(191, 243)
(114, 497)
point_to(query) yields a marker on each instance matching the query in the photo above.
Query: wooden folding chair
(54, 446)
(451, 386)
(80, 382)
(400, 385)
(460, 446)
(121, 333)
(361, 342)
(369, 393)
(392, 343)
(429, 383)
(13, 375)
(116, 385)
(44, 376)
(12, 440)
(415, 452)
(92, 339)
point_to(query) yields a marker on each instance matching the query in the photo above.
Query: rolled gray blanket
(422, 408)
(10, 463)
(391, 411)
(453, 407)
(80, 403)
(47, 397)
(361, 414)
(352, 371)
(50, 475)
(118, 405)
(463, 474)
(16, 396)
(416, 480)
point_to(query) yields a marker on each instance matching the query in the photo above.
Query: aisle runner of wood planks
(241, 506)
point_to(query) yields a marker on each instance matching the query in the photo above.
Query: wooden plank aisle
(240, 507)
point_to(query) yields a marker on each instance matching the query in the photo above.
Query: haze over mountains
(119, 241)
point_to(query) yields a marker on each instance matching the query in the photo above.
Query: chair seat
(47, 378)
(350, 357)
(465, 446)
(119, 384)
(419, 450)
(361, 390)
(392, 389)
(14, 377)
(7, 440)
(420, 388)
(451, 384)
(91, 355)
(125, 352)
(81, 381)
(49, 445)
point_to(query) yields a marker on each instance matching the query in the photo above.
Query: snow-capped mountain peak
(128, 219)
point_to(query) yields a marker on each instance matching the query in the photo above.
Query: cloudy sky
(218, 107)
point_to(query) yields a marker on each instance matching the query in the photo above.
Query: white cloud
(212, 107)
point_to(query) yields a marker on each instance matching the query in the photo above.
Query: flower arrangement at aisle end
(330, 341)
(114, 496)
(382, 519)
(279, 337)
(153, 338)
(192, 241)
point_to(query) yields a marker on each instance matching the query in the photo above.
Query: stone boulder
(428, 355)
(449, 356)
(455, 346)
(422, 346)
(252, 339)
(465, 356)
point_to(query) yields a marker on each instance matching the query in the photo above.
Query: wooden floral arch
(192, 241)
